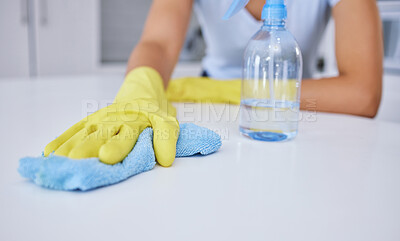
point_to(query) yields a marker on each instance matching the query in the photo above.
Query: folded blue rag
(63, 173)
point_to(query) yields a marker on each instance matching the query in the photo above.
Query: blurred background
(89, 37)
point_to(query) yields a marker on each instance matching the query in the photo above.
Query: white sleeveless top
(227, 39)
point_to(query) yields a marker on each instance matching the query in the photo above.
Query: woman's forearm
(162, 37)
(359, 54)
(153, 55)
(341, 95)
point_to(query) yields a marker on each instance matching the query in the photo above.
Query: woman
(359, 51)
(110, 135)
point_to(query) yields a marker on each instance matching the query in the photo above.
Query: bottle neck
(274, 23)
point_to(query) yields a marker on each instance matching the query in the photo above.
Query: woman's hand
(111, 133)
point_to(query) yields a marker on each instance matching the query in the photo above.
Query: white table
(338, 180)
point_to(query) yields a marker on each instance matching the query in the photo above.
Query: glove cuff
(144, 83)
(141, 82)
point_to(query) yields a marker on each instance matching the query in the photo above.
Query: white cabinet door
(14, 54)
(66, 36)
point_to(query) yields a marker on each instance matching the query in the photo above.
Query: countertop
(338, 180)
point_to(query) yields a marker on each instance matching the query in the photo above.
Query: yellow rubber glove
(111, 133)
(204, 89)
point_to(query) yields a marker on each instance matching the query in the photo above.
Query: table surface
(338, 180)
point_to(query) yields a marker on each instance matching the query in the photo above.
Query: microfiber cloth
(63, 173)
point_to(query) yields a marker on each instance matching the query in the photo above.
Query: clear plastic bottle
(272, 73)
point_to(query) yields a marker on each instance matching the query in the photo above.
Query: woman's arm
(359, 54)
(162, 37)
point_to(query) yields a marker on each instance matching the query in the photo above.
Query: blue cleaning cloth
(63, 173)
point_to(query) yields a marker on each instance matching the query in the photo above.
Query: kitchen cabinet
(66, 33)
(14, 51)
(48, 37)
(70, 37)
